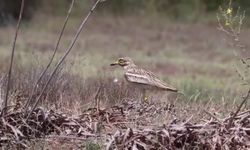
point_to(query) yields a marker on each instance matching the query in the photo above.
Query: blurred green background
(191, 10)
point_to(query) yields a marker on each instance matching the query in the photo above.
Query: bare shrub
(230, 23)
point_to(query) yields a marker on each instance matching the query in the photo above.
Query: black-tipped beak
(113, 64)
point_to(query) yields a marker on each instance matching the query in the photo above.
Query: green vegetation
(92, 146)
(200, 67)
(191, 10)
(9, 10)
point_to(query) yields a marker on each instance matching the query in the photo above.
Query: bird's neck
(129, 66)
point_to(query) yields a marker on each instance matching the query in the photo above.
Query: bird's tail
(175, 91)
(172, 90)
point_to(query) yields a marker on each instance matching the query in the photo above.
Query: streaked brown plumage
(143, 79)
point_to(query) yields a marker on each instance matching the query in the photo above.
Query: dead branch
(238, 109)
(65, 55)
(211, 115)
(52, 57)
(5, 104)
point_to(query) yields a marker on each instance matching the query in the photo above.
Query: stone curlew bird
(141, 78)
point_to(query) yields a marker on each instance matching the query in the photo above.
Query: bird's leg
(144, 97)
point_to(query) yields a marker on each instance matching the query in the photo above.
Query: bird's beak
(115, 63)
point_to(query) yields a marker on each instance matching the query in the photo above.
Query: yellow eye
(121, 61)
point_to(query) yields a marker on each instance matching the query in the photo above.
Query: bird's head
(124, 61)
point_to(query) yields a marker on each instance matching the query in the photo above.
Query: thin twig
(244, 112)
(5, 104)
(65, 55)
(97, 98)
(238, 109)
(69, 137)
(211, 115)
(51, 59)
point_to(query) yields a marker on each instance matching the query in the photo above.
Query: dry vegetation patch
(126, 125)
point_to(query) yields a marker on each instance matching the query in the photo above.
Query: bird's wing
(142, 76)
(136, 77)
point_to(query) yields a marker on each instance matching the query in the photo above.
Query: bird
(141, 78)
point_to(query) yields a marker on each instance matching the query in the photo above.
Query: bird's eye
(121, 61)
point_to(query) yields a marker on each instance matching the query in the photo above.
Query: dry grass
(173, 50)
(200, 65)
(126, 125)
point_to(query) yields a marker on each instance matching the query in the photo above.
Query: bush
(9, 10)
(173, 8)
(176, 9)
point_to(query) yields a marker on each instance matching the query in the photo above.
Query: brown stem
(5, 104)
(51, 59)
(238, 109)
(65, 55)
